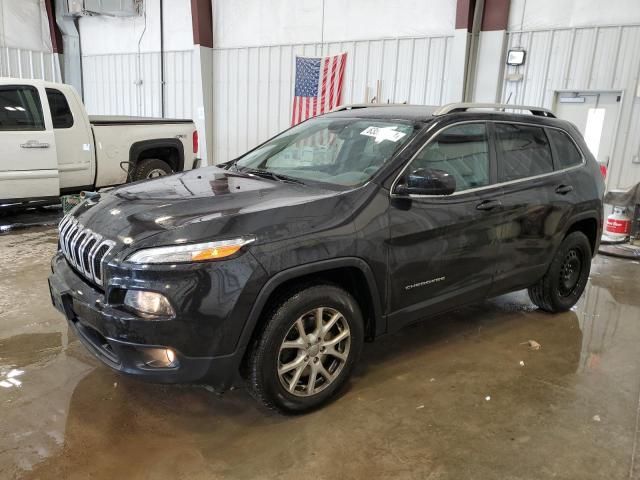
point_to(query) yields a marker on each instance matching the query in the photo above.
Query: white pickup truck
(49, 145)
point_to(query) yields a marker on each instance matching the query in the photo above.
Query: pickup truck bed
(124, 120)
(143, 138)
(49, 145)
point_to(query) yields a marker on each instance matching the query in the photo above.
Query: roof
(384, 110)
(31, 81)
(427, 113)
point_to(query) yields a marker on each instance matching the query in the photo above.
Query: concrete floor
(448, 398)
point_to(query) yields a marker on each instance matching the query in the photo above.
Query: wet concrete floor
(456, 397)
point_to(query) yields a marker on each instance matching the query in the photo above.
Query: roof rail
(355, 106)
(463, 107)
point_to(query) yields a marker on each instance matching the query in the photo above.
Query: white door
(596, 116)
(73, 143)
(28, 162)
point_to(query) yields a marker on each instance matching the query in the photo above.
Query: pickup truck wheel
(567, 276)
(307, 350)
(151, 168)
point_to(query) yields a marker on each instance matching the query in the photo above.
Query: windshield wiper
(267, 174)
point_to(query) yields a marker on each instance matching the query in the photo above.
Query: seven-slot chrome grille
(83, 248)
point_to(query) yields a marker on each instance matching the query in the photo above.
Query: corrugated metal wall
(593, 58)
(253, 86)
(21, 63)
(129, 84)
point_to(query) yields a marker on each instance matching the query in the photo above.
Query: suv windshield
(340, 151)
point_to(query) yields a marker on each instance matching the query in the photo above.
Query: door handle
(564, 189)
(489, 205)
(34, 144)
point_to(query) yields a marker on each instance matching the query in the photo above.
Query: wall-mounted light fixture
(516, 56)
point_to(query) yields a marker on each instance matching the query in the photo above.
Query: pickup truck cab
(49, 145)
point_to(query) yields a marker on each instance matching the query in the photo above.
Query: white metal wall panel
(21, 63)
(253, 86)
(601, 58)
(129, 84)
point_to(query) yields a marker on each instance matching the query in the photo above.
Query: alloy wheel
(314, 351)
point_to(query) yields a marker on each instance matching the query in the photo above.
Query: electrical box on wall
(114, 8)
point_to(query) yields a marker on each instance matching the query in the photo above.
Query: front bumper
(129, 344)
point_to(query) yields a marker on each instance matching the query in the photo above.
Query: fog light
(148, 304)
(171, 356)
(160, 358)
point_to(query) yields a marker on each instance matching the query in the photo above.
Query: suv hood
(203, 204)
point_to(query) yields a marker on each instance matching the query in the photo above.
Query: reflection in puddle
(418, 402)
(28, 349)
(10, 379)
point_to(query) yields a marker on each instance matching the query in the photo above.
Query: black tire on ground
(266, 383)
(150, 168)
(567, 276)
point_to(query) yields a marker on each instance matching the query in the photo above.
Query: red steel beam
(54, 31)
(202, 21)
(464, 14)
(495, 15)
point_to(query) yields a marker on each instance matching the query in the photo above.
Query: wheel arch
(170, 150)
(590, 226)
(351, 273)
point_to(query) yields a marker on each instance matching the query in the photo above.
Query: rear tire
(295, 347)
(567, 276)
(150, 168)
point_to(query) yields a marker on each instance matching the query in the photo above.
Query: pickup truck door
(73, 139)
(28, 162)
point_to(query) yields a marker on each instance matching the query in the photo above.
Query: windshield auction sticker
(381, 134)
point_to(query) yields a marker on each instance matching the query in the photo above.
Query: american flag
(318, 86)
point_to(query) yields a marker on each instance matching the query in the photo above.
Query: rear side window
(524, 151)
(60, 111)
(20, 108)
(462, 151)
(567, 155)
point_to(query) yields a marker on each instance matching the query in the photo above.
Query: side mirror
(423, 181)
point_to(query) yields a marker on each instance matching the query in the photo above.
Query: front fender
(299, 271)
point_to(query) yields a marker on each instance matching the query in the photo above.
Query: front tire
(567, 276)
(307, 350)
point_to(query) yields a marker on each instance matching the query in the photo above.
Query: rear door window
(20, 108)
(462, 151)
(565, 151)
(524, 151)
(60, 111)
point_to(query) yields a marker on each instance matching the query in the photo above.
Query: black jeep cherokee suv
(275, 267)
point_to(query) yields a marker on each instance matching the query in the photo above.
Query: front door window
(462, 151)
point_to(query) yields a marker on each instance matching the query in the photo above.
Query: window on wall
(60, 111)
(20, 108)
(524, 149)
(567, 155)
(462, 151)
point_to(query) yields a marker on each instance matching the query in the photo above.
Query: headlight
(197, 252)
(148, 303)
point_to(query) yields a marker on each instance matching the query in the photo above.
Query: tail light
(603, 170)
(195, 141)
